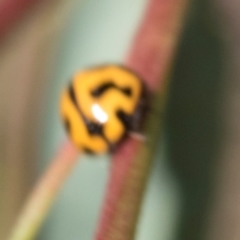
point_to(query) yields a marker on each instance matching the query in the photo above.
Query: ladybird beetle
(101, 105)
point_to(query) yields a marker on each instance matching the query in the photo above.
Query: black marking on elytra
(126, 119)
(101, 89)
(94, 128)
(72, 95)
(67, 125)
(97, 129)
(108, 85)
(127, 91)
(88, 150)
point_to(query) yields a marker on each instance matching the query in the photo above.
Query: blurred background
(193, 190)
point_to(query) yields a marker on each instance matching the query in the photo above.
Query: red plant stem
(151, 56)
(155, 43)
(10, 11)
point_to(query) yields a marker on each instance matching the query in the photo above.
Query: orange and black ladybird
(101, 105)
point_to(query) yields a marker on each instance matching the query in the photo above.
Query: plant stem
(43, 195)
(151, 56)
